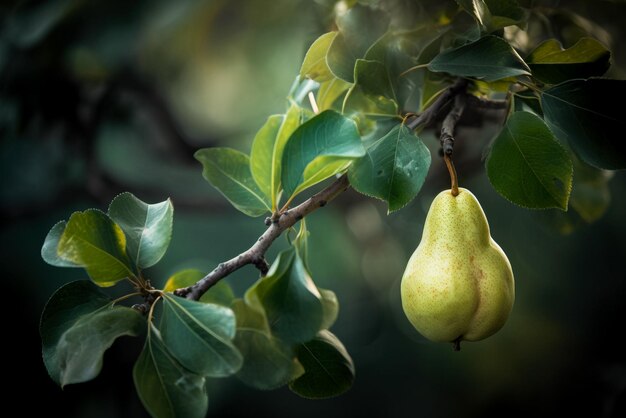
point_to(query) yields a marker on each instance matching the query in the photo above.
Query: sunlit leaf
(314, 65)
(329, 92)
(51, 243)
(330, 306)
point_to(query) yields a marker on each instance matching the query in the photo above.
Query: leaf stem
(130, 295)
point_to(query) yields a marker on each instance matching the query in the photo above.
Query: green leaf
(591, 194)
(219, 294)
(165, 387)
(328, 368)
(290, 299)
(228, 170)
(268, 362)
(199, 336)
(314, 65)
(148, 228)
(394, 168)
(319, 149)
(330, 306)
(301, 243)
(528, 166)
(372, 92)
(552, 64)
(477, 9)
(329, 92)
(503, 13)
(489, 58)
(77, 326)
(92, 240)
(51, 243)
(578, 111)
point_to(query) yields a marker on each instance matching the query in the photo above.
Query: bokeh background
(101, 97)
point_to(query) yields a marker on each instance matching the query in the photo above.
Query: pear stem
(454, 188)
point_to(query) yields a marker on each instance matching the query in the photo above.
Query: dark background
(101, 97)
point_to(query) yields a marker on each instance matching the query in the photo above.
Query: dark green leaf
(320, 148)
(93, 241)
(330, 307)
(268, 362)
(528, 166)
(78, 324)
(148, 228)
(219, 294)
(478, 10)
(503, 13)
(166, 388)
(591, 194)
(314, 65)
(50, 245)
(582, 112)
(552, 64)
(301, 243)
(489, 58)
(328, 368)
(372, 92)
(393, 169)
(290, 299)
(229, 172)
(199, 336)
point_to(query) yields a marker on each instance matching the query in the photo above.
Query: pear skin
(458, 284)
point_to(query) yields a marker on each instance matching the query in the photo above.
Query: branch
(256, 254)
(448, 126)
(429, 115)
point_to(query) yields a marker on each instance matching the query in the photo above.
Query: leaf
(477, 9)
(328, 368)
(320, 148)
(329, 92)
(578, 111)
(552, 64)
(394, 168)
(93, 241)
(268, 362)
(490, 58)
(301, 243)
(219, 294)
(372, 92)
(50, 245)
(330, 306)
(228, 170)
(590, 195)
(528, 166)
(290, 299)
(199, 336)
(314, 65)
(165, 387)
(148, 228)
(503, 13)
(78, 324)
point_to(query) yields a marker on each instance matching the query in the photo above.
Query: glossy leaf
(93, 241)
(78, 324)
(228, 170)
(528, 166)
(199, 336)
(328, 368)
(51, 243)
(320, 148)
(330, 306)
(165, 387)
(148, 228)
(268, 362)
(552, 64)
(578, 111)
(290, 299)
(219, 294)
(314, 65)
(394, 168)
(489, 58)
(477, 9)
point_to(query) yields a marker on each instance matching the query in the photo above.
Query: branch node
(268, 221)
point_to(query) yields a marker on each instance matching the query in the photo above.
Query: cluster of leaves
(276, 335)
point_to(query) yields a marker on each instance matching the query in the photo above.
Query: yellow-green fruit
(458, 284)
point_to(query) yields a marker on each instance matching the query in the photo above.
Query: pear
(458, 284)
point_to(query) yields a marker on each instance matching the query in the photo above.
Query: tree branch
(429, 115)
(448, 126)
(256, 254)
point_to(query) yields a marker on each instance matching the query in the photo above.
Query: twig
(429, 115)
(256, 254)
(449, 124)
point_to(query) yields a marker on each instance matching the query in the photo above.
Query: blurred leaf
(328, 368)
(393, 169)
(477, 9)
(92, 240)
(320, 148)
(289, 298)
(330, 306)
(369, 105)
(504, 13)
(148, 228)
(329, 92)
(552, 64)
(528, 101)
(268, 363)
(220, 293)
(489, 58)
(165, 387)
(77, 326)
(199, 336)
(301, 243)
(528, 166)
(229, 172)
(314, 65)
(50, 245)
(578, 110)
(591, 195)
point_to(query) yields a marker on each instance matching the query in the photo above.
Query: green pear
(458, 284)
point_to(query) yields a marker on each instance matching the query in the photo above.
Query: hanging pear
(458, 284)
